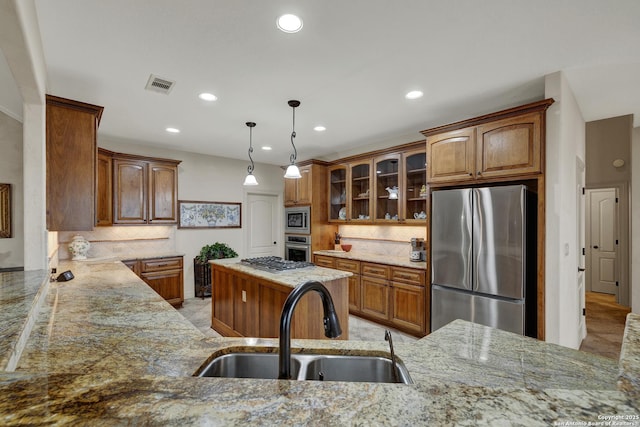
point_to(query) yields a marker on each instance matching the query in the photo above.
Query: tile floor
(198, 312)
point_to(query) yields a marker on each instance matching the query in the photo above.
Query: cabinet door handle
(581, 269)
(596, 247)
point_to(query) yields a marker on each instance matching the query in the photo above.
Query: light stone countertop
(290, 278)
(376, 258)
(107, 350)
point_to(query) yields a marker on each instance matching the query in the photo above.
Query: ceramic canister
(79, 247)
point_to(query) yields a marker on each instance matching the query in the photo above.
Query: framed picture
(195, 214)
(5, 210)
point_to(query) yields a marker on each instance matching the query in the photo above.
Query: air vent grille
(159, 84)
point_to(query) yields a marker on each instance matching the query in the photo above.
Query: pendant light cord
(294, 155)
(251, 166)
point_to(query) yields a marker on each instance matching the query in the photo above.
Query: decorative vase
(79, 247)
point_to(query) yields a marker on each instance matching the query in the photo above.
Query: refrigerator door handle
(476, 232)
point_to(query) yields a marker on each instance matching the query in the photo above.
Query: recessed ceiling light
(289, 23)
(207, 96)
(172, 130)
(320, 128)
(414, 94)
(266, 148)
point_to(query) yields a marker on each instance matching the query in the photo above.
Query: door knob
(595, 247)
(274, 243)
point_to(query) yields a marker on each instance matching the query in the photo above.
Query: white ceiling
(350, 67)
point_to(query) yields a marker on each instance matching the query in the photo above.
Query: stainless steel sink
(246, 365)
(320, 367)
(356, 369)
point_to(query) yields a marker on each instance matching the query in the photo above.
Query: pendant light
(250, 179)
(293, 171)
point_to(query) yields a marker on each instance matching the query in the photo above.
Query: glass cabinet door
(361, 192)
(388, 191)
(415, 167)
(338, 193)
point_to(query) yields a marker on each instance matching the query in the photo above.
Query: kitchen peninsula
(106, 349)
(247, 301)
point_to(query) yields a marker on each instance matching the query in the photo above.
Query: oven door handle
(296, 246)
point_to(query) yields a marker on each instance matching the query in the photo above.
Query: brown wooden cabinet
(387, 294)
(163, 275)
(358, 187)
(299, 191)
(503, 145)
(355, 286)
(71, 128)
(509, 146)
(145, 190)
(104, 188)
(450, 156)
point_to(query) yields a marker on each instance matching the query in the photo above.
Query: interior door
(263, 231)
(603, 243)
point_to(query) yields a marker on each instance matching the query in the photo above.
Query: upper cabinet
(337, 192)
(71, 163)
(415, 186)
(387, 171)
(502, 145)
(145, 191)
(104, 188)
(136, 190)
(298, 191)
(360, 192)
(384, 187)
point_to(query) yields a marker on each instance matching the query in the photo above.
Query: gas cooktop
(274, 263)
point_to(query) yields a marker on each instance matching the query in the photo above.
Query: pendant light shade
(250, 179)
(292, 171)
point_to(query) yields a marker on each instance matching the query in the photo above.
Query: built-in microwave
(297, 220)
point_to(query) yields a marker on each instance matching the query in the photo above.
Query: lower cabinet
(163, 275)
(386, 294)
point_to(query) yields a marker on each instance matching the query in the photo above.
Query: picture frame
(5, 211)
(199, 214)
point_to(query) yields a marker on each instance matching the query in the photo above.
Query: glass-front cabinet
(338, 193)
(361, 193)
(387, 171)
(415, 187)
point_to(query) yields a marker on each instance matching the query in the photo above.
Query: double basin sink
(319, 367)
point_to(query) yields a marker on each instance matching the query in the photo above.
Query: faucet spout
(330, 319)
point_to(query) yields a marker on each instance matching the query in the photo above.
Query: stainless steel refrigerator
(483, 257)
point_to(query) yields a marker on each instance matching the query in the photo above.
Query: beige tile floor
(198, 312)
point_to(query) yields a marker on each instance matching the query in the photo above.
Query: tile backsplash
(122, 241)
(381, 240)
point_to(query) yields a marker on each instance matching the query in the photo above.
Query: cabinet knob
(470, 174)
(479, 173)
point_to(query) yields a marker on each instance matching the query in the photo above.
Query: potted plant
(201, 268)
(216, 251)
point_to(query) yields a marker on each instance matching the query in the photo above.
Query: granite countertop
(105, 349)
(376, 258)
(131, 257)
(288, 277)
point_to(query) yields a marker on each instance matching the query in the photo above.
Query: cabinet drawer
(348, 265)
(375, 270)
(324, 261)
(160, 264)
(407, 275)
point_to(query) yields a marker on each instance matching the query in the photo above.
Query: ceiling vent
(159, 84)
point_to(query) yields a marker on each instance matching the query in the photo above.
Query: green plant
(216, 251)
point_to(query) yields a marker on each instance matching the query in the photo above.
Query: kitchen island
(246, 301)
(107, 350)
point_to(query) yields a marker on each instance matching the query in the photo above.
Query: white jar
(79, 247)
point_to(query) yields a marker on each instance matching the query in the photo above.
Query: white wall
(21, 44)
(12, 249)
(565, 140)
(206, 178)
(635, 221)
